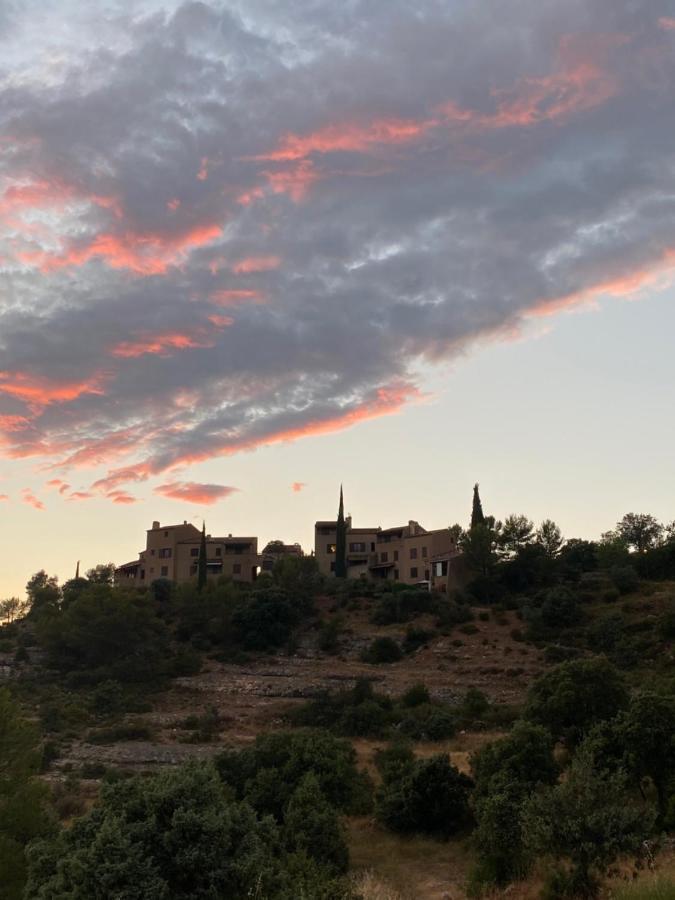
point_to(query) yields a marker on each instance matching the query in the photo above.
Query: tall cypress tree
(341, 542)
(201, 565)
(477, 517)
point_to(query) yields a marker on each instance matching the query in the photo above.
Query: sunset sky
(253, 249)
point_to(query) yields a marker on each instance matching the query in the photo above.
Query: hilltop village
(409, 554)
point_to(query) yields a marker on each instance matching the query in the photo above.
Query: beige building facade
(409, 553)
(172, 551)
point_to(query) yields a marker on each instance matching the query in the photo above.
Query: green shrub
(311, 826)
(265, 620)
(329, 635)
(428, 723)
(205, 727)
(415, 638)
(625, 579)
(402, 606)
(431, 797)
(416, 695)
(573, 696)
(268, 773)
(174, 834)
(382, 650)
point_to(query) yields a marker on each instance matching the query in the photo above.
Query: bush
(588, 820)
(416, 695)
(625, 579)
(428, 723)
(174, 834)
(382, 650)
(268, 773)
(560, 609)
(24, 811)
(506, 772)
(415, 638)
(311, 826)
(205, 727)
(106, 634)
(265, 621)
(329, 636)
(430, 796)
(574, 696)
(402, 606)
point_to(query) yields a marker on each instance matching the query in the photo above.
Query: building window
(357, 547)
(164, 553)
(236, 569)
(396, 575)
(166, 534)
(372, 546)
(424, 552)
(426, 574)
(395, 555)
(152, 571)
(142, 573)
(164, 571)
(194, 551)
(332, 567)
(152, 553)
(413, 572)
(384, 557)
(330, 548)
(219, 551)
(193, 570)
(413, 553)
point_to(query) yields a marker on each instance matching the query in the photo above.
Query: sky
(251, 250)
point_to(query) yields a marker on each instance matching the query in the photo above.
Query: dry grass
(413, 868)
(370, 887)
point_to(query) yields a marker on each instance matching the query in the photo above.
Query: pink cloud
(29, 497)
(666, 23)
(235, 297)
(81, 495)
(256, 264)
(192, 492)
(121, 497)
(141, 253)
(297, 486)
(4, 497)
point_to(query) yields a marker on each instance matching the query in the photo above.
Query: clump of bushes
(429, 796)
(382, 650)
(361, 712)
(204, 728)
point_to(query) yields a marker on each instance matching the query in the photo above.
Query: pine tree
(477, 517)
(341, 542)
(201, 565)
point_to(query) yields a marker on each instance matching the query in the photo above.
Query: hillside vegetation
(327, 738)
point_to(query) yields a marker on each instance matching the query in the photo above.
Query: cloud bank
(230, 225)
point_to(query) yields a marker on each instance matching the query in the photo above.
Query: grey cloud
(397, 251)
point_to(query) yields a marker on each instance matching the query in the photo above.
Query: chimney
(155, 526)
